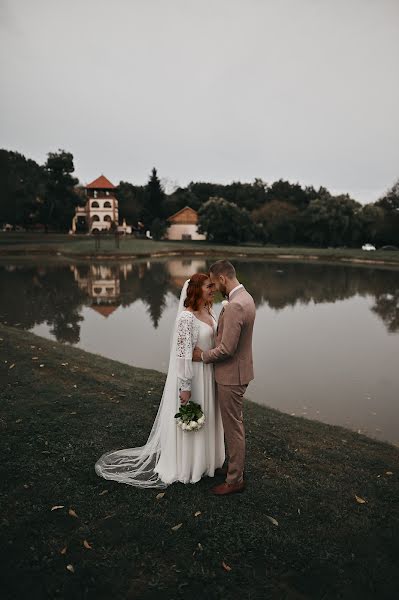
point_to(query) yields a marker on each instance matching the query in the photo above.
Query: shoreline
(190, 252)
(62, 407)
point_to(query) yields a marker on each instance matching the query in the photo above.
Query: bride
(171, 454)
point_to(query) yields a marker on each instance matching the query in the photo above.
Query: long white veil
(136, 466)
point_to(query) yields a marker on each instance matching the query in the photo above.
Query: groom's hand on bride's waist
(197, 354)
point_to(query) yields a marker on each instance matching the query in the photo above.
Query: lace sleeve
(187, 335)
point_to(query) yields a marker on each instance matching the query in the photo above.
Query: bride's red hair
(194, 290)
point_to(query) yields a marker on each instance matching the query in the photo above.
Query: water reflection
(55, 295)
(326, 338)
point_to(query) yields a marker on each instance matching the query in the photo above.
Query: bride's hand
(185, 397)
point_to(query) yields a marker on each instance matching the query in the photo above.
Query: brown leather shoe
(228, 488)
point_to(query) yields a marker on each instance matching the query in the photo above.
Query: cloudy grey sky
(216, 90)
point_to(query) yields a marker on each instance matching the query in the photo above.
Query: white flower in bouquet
(190, 417)
(225, 303)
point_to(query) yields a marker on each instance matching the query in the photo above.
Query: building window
(95, 218)
(107, 218)
(107, 204)
(95, 204)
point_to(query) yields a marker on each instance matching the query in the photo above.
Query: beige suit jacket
(233, 352)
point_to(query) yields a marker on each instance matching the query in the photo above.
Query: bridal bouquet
(190, 417)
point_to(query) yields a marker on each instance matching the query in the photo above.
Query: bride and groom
(211, 364)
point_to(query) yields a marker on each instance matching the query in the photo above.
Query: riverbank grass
(319, 518)
(61, 246)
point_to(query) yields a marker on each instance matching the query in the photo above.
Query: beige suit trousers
(230, 399)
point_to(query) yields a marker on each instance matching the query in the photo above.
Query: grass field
(15, 244)
(297, 532)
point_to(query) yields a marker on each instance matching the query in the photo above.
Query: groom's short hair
(223, 267)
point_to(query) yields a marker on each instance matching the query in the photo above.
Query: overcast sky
(211, 90)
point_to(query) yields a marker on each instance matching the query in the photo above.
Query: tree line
(282, 213)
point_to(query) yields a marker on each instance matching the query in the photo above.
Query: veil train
(136, 466)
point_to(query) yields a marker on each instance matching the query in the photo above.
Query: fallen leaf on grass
(200, 546)
(70, 568)
(72, 513)
(35, 358)
(360, 500)
(226, 567)
(109, 516)
(272, 520)
(197, 514)
(103, 492)
(64, 364)
(57, 507)
(12, 366)
(41, 366)
(388, 473)
(176, 527)
(87, 545)
(63, 551)
(160, 495)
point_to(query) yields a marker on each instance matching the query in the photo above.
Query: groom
(233, 367)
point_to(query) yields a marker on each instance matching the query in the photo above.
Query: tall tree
(155, 196)
(22, 188)
(131, 201)
(279, 221)
(333, 221)
(60, 197)
(389, 233)
(224, 221)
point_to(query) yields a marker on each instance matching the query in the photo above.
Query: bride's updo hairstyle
(194, 290)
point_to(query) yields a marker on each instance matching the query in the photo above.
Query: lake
(326, 340)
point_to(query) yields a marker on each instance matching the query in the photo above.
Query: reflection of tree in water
(54, 294)
(150, 282)
(387, 307)
(33, 295)
(286, 284)
(154, 287)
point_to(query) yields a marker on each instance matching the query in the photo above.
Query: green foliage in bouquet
(189, 412)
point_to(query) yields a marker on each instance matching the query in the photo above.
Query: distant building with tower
(100, 210)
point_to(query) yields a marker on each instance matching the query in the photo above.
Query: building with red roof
(100, 210)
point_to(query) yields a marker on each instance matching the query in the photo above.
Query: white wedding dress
(171, 454)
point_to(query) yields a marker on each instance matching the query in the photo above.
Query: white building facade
(101, 209)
